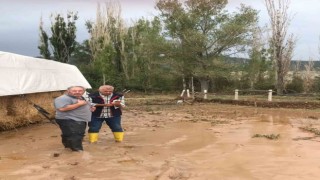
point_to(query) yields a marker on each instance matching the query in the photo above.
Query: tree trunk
(204, 82)
(184, 84)
(280, 85)
(281, 45)
(104, 78)
(192, 88)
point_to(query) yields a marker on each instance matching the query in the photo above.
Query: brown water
(181, 142)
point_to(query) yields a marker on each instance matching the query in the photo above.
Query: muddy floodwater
(175, 142)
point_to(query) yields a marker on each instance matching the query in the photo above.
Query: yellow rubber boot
(118, 136)
(93, 137)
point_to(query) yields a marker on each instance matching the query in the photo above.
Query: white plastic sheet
(23, 75)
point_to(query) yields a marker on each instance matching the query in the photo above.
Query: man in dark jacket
(108, 109)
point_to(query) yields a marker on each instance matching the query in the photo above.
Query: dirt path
(199, 141)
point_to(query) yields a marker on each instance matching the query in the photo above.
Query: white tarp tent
(23, 75)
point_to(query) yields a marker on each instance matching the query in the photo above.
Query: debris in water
(268, 136)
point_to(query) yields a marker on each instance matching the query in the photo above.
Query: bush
(265, 85)
(316, 85)
(296, 85)
(223, 84)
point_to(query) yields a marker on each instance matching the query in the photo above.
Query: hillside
(237, 60)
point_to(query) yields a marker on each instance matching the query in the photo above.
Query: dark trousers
(72, 133)
(114, 124)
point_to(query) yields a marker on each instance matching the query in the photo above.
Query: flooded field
(163, 142)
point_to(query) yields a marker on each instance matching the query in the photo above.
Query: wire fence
(259, 95)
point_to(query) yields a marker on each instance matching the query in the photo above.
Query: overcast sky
(19, 21)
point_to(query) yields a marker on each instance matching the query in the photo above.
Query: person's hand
(92, 108)
(116, 103)
(82, 102)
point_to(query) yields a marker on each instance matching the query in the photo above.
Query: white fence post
(188, 93)
(270, 95)
(236, 94)
(205, 94)
(182, 93)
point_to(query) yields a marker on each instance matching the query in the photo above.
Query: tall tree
(203, 31)
(308, 76)
(98, 30)
(106, 41)
(62, 39)
(144, 46)
(259, 67)
(281, 44)
(44, 42)
(81, 55)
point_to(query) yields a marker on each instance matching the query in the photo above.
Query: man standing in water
(72, 114)
(108, 108)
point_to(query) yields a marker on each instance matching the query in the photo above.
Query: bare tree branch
(281, 44)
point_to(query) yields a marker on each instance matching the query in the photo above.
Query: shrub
(296, 85)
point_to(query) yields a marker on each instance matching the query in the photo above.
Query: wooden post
(205, 94)
(270, 95)
(182, 93)
(188, 93)
(236, 94)
(192, 88)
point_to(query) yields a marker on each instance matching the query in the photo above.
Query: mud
(163, 142)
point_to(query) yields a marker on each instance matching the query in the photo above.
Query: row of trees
(187, 43)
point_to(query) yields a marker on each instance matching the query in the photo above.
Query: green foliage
(90, 72)
(63, 38)
(108, 69)
(201, 31)
(97, 76)
(316, 85)
(129, 56)
(44, 43)
(257, 65)
(296, 85)
(81, 54)
(223, 84)
(143, 45)
(188, 39)
(101, 71)
(265, 84)
(259, 72)
(164, 82)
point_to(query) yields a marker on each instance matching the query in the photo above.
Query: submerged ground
(197, 142)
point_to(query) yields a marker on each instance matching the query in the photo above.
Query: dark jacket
(96, 98)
